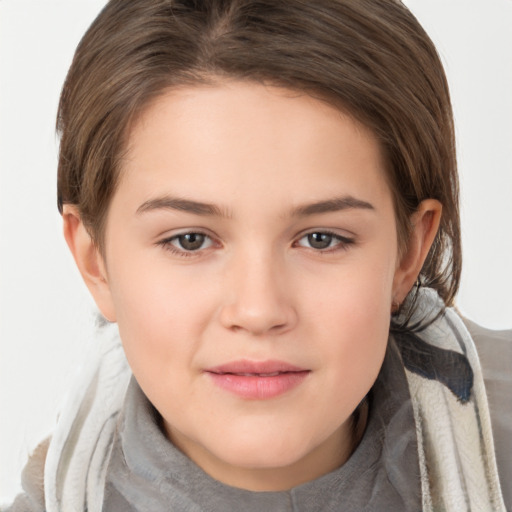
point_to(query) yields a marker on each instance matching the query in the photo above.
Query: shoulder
(495, 353)
(489, 342)
(32, 481)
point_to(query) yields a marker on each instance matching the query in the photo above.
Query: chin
(270, 451)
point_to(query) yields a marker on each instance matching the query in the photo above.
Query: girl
(262, 197)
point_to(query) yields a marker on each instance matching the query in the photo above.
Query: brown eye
(320, 240)
(325, 241)
(191, 241)
(187, 244)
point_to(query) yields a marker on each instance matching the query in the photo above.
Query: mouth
(254, 380)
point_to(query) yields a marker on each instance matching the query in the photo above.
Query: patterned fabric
(79, 451)
(456, 450)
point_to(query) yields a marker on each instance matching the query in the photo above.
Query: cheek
(160, 313)
(353, 318)
(357, 292)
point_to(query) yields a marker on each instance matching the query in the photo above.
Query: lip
(257, 380)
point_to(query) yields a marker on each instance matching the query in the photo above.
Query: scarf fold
(456, 452)
(453, 425)
(79, 451)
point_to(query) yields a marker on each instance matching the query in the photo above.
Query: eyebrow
(332, 205)
(208, 209)
(183, 205)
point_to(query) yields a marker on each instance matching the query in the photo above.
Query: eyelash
(343, 243)
(166, 243)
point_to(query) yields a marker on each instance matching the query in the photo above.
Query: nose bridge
(258, 300)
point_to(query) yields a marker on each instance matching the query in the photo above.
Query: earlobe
(88, 259)
(425, 224)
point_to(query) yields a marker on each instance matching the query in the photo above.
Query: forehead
(237, 137)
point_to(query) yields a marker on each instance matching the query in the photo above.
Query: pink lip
(257, 380)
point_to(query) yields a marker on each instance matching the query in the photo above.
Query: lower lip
(255, 387)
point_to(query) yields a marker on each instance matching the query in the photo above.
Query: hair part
(369, 58)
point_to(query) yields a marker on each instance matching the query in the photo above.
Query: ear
(89, 261)
(425, 223)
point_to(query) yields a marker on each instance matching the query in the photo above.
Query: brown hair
(370, 58)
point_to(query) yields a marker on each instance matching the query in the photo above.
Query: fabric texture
(446, 415)
(79, 451)
(495, 354)
(455, 441)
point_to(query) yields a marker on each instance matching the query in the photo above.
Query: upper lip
(247, 367)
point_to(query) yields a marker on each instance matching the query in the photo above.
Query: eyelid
(166, 242)
(343, 241)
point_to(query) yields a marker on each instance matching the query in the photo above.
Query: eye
(324, 240)
(187, 243)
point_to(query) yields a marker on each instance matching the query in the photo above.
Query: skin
(257, 288)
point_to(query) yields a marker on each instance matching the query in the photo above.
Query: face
(251, 261)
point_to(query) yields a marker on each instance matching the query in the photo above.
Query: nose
(258, 298)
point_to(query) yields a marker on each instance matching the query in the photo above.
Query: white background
(46, 316)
